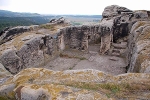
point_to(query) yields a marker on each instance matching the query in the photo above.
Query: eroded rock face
(32, 53)
(120, 23)
(79, 37)
(116, 23)
(139, 49)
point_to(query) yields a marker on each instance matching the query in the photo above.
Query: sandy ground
(76, 60)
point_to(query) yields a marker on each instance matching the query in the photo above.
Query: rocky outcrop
(39, 83)
(8, 33)
(139, 49)
(60, 20)
(116, 23)
(30, 54)
(121, 27)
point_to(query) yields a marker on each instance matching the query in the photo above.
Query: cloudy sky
(88, 7)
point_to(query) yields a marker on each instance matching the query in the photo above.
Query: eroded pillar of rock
(61, 43)
(84, 44)
(106, 39)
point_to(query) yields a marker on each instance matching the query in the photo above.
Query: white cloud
(70, 6)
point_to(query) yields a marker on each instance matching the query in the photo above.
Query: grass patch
(31, 80)
(46, 26)
(81, 58)
(3, 98)
(70, 68)
(111, 89)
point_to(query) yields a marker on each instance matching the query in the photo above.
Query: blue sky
(87, 7)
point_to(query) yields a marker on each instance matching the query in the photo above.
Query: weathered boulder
(11, 61)
(114, 10)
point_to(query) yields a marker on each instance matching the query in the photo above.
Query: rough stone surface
(60, 20)
(11, 61)
(116, 23)
(139, 48)
(9, 33)
(39, 83)
(4, 74)
(30, 54)
(77, 60)
(114, 10)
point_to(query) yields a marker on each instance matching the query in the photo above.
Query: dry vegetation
(113, 90)
(48, 26)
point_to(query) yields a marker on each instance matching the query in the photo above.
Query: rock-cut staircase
(118, 49)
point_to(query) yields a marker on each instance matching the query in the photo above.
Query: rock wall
(79, 37)
(32, 49)
(31, 54)
(116, 23)
(129, 31)
(139, 47)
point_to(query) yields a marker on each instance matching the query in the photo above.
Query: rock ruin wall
(116, 31)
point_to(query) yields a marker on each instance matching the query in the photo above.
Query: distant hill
(9, 18)
(5, 13)
(21, 21)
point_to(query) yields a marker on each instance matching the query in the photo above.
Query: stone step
(116, 51)
(115, 54)
(122, 45)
